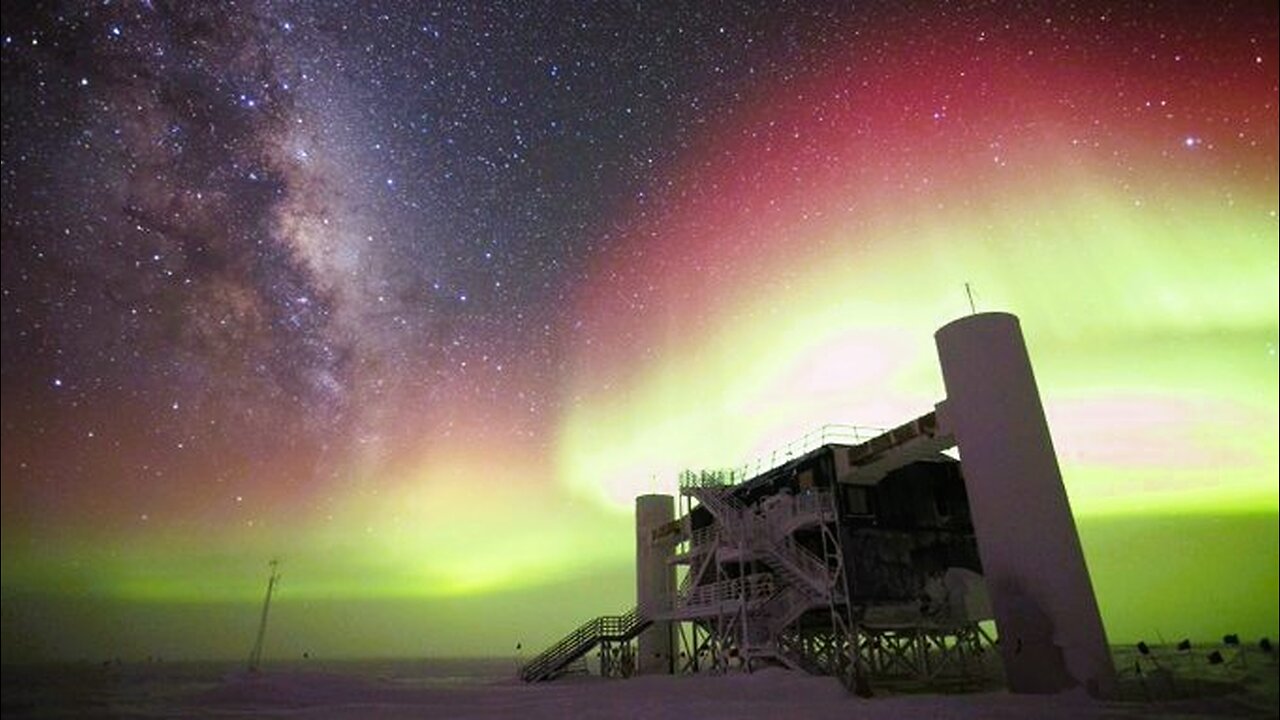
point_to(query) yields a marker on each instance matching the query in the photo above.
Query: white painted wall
(1050, 628)
(655, 582)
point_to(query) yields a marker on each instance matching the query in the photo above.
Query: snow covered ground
(474, 689)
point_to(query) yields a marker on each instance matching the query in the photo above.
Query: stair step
(611, 628)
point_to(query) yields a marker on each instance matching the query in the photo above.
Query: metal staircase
(786, 606)
(762, 624)
(801, 568)
(604, 629)
(723, 505)
(770, 536)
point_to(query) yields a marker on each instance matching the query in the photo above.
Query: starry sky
(417, 297)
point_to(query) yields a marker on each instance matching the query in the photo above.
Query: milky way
(418, 297)
(274, 227)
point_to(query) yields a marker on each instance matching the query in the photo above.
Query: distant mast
(255, 656)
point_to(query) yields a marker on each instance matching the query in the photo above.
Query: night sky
(418, 297)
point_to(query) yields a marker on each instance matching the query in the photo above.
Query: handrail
(786, 605)
(804, 563)
(722, 504)
(768, 534)
(604, 628)
(785, 511)
(702, 536)
(831, 434)
(748, 588)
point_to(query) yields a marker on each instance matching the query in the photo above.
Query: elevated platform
(763, 522)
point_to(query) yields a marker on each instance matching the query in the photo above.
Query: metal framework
(924, 652)
(763, 580)
(611, 633)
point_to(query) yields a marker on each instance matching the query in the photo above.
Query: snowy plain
(488, 690)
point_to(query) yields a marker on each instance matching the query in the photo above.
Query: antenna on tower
(255, 655)
(973, 310)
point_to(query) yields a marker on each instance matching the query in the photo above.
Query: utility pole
(255, 656)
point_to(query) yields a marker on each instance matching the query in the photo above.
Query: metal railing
(786, 606)
(807, 571)
(812, 440)
(757, 586)
(702, 537)
(724, 477)
(770, 531)
(785, 512)
(722, 504)
(825, 435)
(617, 628)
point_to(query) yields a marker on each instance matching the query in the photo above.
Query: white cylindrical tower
(1051, 634)
(655, 582)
